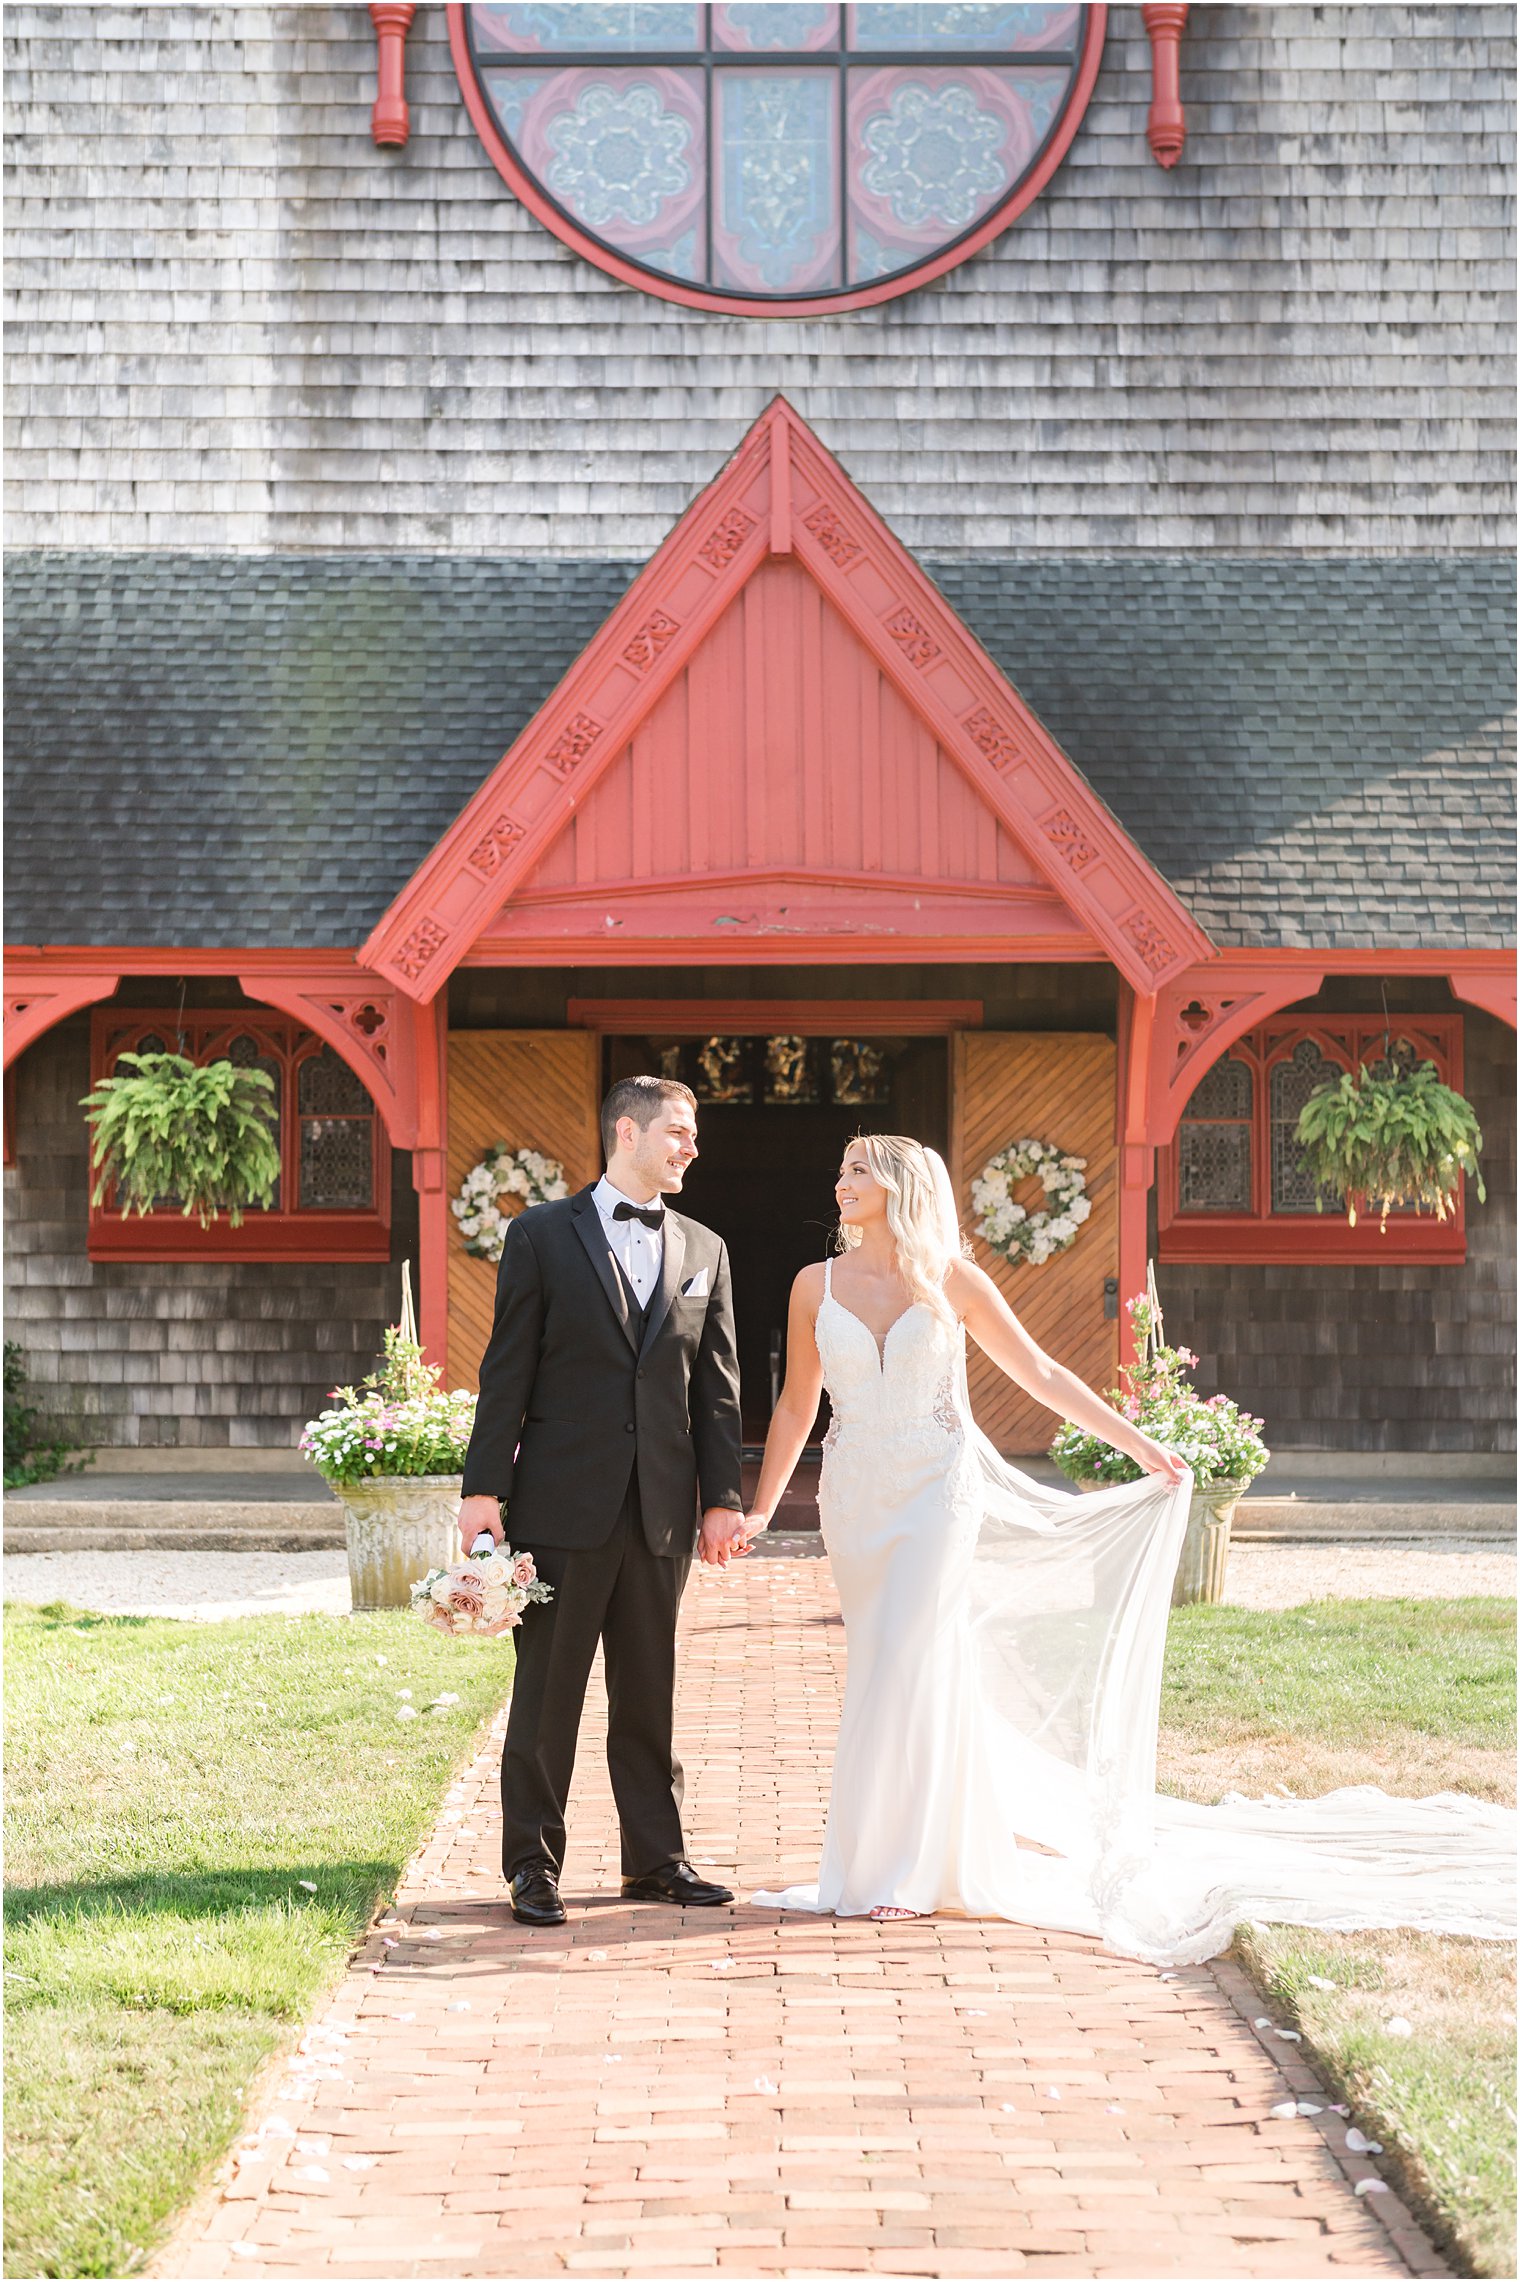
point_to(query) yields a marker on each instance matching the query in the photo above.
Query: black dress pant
(628, 1598)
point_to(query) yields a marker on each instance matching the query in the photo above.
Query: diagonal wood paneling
(1046, 1086)
(533, 1089)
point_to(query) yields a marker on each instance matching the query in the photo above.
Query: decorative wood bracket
(1166, 125)
(362, 1018)
(390, 122)
(1492, 988)
(38, 995)
(1198, 1018)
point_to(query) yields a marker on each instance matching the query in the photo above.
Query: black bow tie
(653, 1218)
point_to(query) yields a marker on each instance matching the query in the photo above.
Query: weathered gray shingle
(261, 750)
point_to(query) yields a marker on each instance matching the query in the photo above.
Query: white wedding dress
(997, 1749)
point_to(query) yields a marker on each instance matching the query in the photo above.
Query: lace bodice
(904, 1386)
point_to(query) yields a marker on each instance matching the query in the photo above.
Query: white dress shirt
(639, 1251)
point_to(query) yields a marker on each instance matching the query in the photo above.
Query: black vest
(638, 1313)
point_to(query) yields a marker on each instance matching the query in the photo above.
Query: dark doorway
(774, 1117)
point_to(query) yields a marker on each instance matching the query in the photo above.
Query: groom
(609, 1400)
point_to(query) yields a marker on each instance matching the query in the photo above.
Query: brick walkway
(642, 2092)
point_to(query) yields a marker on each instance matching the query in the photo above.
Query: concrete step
(1328, 1502)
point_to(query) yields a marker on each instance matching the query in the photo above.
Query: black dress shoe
(535, 1896)
(675, 1882)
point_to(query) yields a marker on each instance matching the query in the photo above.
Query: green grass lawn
(1415, 1696)
(172, 1784)
(170, 1787)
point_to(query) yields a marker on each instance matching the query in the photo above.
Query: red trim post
(1137, 1157)
(390, 122)
(429, 1025)
(1166, 124)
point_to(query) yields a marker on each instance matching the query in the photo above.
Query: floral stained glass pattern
(776, 224)
(623, 152)
(804, 151)
(927, 26)
(605, 27)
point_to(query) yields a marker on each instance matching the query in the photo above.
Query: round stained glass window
(779, 155)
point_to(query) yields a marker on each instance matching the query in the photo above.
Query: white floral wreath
(1033, 1236)
(523, 1173)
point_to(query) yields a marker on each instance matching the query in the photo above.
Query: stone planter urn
(1206, 1547)
(399, 1526)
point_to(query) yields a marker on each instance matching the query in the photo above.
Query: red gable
(784, 743)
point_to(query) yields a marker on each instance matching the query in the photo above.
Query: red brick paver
(648, 2092)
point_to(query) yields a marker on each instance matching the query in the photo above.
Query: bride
(997, 1748)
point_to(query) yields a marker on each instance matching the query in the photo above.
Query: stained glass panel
(762, 27)
(1292, 1082)
(930, 152)
(588, 27)
(776, 220)
(624, 152)
(1227, 1090)
(337, 1164)
(1213, 1168)
(937, 25)
(245, 1054)
(328, 1086)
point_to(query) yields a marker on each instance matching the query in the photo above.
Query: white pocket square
(697, 1288)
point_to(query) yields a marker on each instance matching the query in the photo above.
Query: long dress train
(997, 1747)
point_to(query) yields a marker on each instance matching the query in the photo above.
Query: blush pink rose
(467, 1599)
(523, 1571)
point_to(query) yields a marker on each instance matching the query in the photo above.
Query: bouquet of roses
(485, 1595)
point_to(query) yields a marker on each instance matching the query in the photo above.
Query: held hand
(722, 1536)
(477, 1514)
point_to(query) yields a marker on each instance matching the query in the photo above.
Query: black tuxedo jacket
(573, 1395)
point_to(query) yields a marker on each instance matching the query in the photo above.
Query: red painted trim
(1263, 1235)
(996, 893)
(429, 1177)
(1495, 993)
(360, 1019)
(42, 991)
(1309, 1240)
(1199, 1020)
(627, 272)
(786, 951)
(1166, 123)
(1137, 1161)
(390, 122)
(1014, 766)
(767, 1017)
(187, 958)
(319, 1237)
(285, 1234)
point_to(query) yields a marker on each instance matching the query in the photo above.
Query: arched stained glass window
(780, 153)
(1293, 1080)
(1214, 1141)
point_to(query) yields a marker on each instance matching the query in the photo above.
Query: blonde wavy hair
(919, 1198)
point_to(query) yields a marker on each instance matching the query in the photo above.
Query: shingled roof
(260, 750)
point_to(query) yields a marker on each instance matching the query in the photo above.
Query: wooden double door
(764, 1180)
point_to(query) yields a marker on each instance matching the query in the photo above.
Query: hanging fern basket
(1401, 1138)
(199, 1134)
